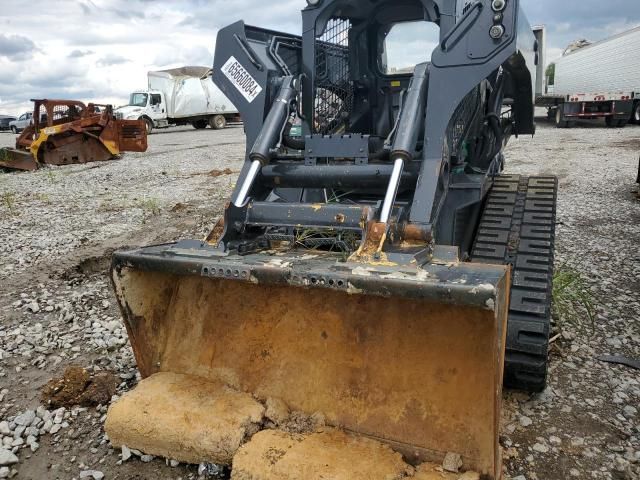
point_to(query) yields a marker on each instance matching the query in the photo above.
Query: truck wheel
(149, 125)
(14, 130)
(635, 118)
(218, 122)
(615, 123)
(199, 124)
(560, 121)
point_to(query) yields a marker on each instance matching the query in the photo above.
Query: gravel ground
(59, 226)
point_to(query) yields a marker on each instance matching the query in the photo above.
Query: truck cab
(147, 105)
(22, 122)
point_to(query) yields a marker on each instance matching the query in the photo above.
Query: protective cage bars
(60, 114)
(462, 120)
(334, 88)
(288, 54)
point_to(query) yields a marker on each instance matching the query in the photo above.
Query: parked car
(4, 122)
(21, 123)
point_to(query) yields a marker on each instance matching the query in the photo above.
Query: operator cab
(365, 54)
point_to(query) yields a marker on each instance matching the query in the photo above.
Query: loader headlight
(498, 5)
(496, 32)
(313, 3)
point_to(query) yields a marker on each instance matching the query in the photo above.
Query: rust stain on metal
(216, 233)
(415, 233)
(183, 323)
(374, 238)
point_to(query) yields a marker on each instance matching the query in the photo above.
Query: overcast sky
(100, 50)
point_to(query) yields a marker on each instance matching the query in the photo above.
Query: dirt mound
(79, 387)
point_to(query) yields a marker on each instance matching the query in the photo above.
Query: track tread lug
(519, 222)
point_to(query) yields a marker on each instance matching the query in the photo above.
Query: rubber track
(518, 228)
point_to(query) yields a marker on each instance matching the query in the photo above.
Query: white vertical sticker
(241, 79)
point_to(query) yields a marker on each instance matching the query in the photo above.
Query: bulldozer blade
(17, 160)
(412, 357)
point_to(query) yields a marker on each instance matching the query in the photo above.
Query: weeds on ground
(572, 298)
(43, 197)
(8, 200)
(149, 206)
(51, 175)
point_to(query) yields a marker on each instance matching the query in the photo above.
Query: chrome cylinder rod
(241, 198)
(392, 190)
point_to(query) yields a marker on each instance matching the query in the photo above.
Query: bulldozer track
(518, 229)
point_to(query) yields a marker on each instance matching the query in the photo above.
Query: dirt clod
(276, 411)
(179, 207)
(218, 173)
(276, 455)
(79, 387)
(184, 418)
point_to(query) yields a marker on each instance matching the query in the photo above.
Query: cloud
(127, 38)
(80, 53)
(128, 14)
(111, 59)
(16, 47)
(85, 9)
(197, 55)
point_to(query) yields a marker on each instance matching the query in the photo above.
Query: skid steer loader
(67, 131)
(374, 268)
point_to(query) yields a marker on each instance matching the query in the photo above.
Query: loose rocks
(7, 457)
(452, 462)
(94, 474)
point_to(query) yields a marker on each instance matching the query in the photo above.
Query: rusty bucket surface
(14, 159)
(409, 356)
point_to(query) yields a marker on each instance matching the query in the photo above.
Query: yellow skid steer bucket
(411, 357)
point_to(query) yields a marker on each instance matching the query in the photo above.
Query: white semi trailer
(180, 96)
(601, 80)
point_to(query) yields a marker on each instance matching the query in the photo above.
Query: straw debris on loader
(67, 131)
(377, 270)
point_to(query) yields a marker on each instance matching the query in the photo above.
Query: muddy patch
(630, 144)
(94, 264)
(79, 387)
(220, 173)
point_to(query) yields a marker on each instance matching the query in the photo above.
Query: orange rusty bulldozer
(67, 131)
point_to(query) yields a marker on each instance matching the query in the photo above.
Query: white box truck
(601, 80)
(180, 96)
